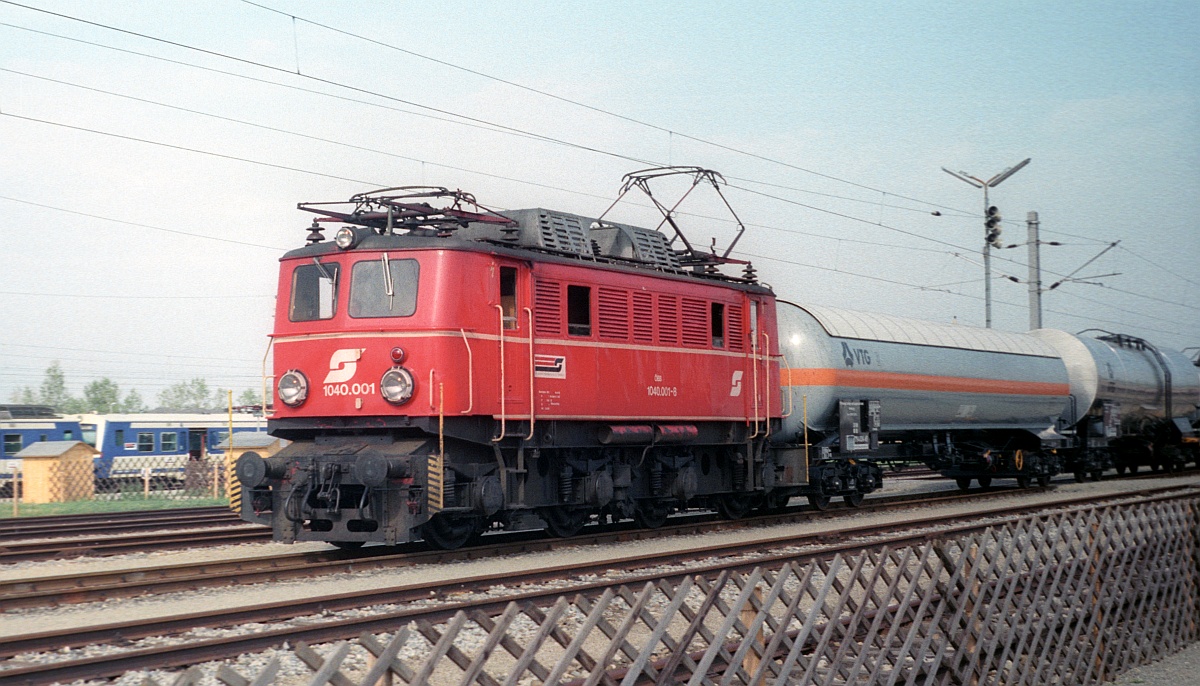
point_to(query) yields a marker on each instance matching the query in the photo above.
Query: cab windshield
(384, 288)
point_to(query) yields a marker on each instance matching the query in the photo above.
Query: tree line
(103, 396)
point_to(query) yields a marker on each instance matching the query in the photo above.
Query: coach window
(718, 325)
(119, 438)
(68, 435)
(508, 296)
(145, 443)
(384, 288)
(579, 310)
(170, 442)
(12, 443)
(314, 291)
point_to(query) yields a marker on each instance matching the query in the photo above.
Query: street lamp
(991, 219)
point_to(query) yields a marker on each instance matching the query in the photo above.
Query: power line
(139, 354)
(187, 149)
(99, 296)
(329, 82)
(305, 136)
(138, 224)
(593, 108)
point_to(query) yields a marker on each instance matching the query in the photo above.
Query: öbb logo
(343, 364)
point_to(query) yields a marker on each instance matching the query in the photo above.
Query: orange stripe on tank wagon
(856, 378)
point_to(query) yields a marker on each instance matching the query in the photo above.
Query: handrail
(503, 408)
(529, 314)
(767, 386)
(754, 382)
(470, 374)
(791, 400)
(265, 376)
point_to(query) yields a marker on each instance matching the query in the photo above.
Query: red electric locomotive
(442, 371)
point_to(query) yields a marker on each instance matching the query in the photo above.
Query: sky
(152, 154)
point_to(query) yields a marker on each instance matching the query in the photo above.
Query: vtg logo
(343, 364)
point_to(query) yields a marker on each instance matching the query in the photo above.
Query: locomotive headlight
(397, 385)
(293, 388)
(345, 238)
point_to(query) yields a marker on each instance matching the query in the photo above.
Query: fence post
(16, 487)
(215, 477)
(146, 483)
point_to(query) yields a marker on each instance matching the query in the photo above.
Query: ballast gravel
(292, 670)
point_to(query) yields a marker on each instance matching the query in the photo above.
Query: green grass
(127, 503)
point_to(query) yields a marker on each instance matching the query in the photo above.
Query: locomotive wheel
(564, 522)
(1080, 477)
(448, 533)
(1023, 482)
(964, 482)
(853, 500)
(819, 502)
(650, 515)
(1097, 474)
(985, 481)
(347, 545)
(734, 506)
(1043, 481)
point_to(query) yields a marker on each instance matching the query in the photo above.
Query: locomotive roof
(553, 236)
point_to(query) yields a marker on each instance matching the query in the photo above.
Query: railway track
(62, 526)
(102, 586)
(570, 579)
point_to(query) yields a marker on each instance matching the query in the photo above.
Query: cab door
(511, 280)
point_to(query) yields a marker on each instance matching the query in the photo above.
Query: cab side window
(314, 292)
(508, 296)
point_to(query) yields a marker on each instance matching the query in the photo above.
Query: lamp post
(991, 228)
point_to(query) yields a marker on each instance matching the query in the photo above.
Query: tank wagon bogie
(441, 372)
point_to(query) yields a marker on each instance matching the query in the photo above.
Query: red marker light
(397, 355)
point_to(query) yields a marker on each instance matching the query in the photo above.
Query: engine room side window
(314, 292)
(579, 310)
(384, 288)
(718, 325)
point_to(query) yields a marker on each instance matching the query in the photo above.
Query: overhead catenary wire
(593, 108)
(875, 223)
(511, 129)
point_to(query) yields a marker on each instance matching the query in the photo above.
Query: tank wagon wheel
(1043, 481)
(964, 482)
(1023, 482)
(819, 502)
(1080, 477)
(1097, 474)
(347, 545)
(448, 532)
(650, 515)
(985, 482)
(854, 499)
(734, 506)
(564, 522)
(774, 502)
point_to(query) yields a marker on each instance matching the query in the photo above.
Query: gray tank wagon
(972, 403)
(1132, 404)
